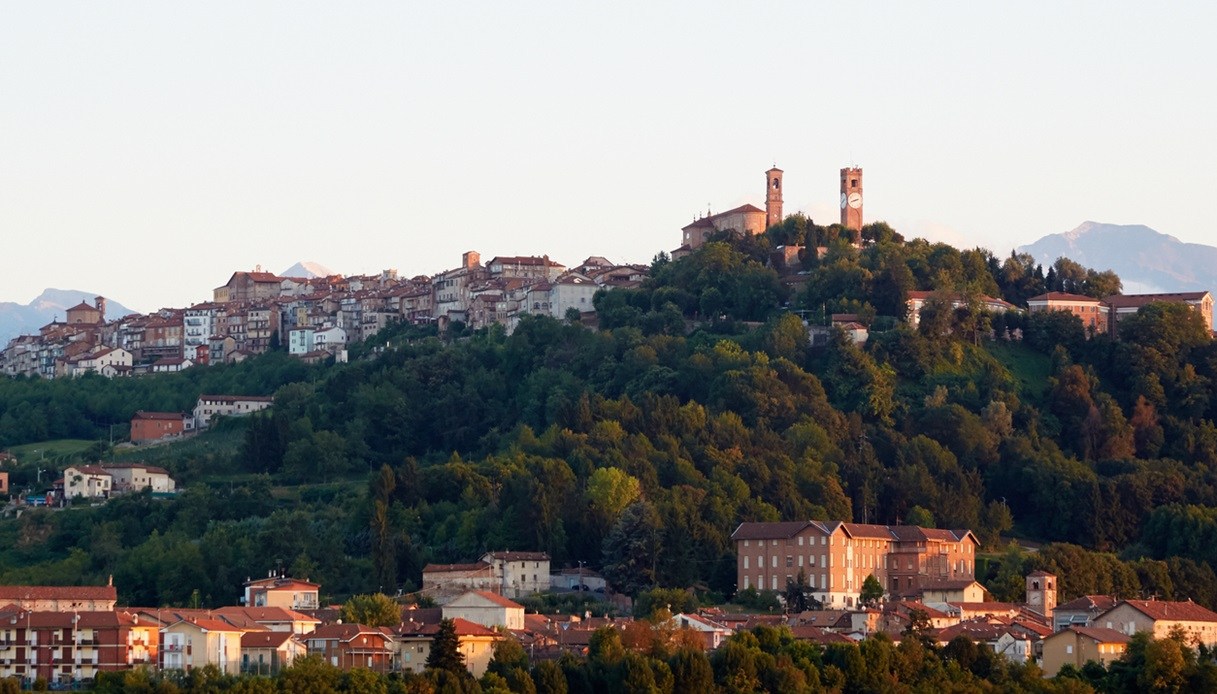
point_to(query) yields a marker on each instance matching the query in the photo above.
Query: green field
(49, 449)
(1029, 367)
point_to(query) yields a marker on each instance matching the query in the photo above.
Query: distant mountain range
(17, 319)
(307, 270)
(1147, 261)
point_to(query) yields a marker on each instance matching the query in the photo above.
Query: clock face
(844, 200)
(855, 200)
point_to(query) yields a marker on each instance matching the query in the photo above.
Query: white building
(211, 406)
(519, 573)
(88, 481)
(131, 477)
(486, 608)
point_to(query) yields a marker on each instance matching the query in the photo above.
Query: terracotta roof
(265, 639)
(135, 466)
(444, 568)
(1172, 610)
(768, 531)
(1064, 296)
(818, 635)
(1138, 300)
(496, 599)
(1089, 603)
(207, 624)
(974, 630)
(175, 416)
(237, 398)
(1101, 634)
(948, 584)
(518, 556)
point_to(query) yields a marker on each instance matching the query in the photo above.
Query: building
(746, 219)
(851, 201)
(474, 641)
(133, 477)
(835, 558)
(1121, 306)
(87, 481)
(1077, 646)
(1041, 593)
(59, 598)
(248, 286)
(1091, 311)
(277, 619)
(71, 646)
(486, 608)
(459, 578)
(211, 406)
(1160, 618)
(154, 426)
(918, 299)
(519, 573)
(351, 646)
(196, 642)
(268, 652)
(282, 591)
(1081, 612)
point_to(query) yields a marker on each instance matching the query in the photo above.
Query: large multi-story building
(1092, 311)
(834, 558)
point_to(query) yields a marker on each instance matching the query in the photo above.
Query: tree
(374, 610)
(872, 591)
(632, 547)
(445, 650)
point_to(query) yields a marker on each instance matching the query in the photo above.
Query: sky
(150, 149)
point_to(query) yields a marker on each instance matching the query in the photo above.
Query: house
(486, 608)
(1091, 311)
(1121, 306)
(711, 634)
(248, 286)
(459, 578)
(474, 641)
(519, 573)
(268, 652)
(835, 558)
(60, 598)
(172, 364)
(281, 591)
(153, 426)
(918, 299)
(87, 481)
(211, 406)
(196, 642)
(97, 360)
(1160, 617)
(571, 290)
(351, 646)
(1077, 646)
(133, 477)
(70, 646)
(941, 592)
(1081, 612)
(278, 619)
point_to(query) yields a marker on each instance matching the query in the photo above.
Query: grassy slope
(1030, 368)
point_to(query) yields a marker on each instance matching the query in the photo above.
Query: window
(745, 563)
(1069, 648)
(789, 561)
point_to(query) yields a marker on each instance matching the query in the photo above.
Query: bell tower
(1041, 592)
(773, 197)
(851, 200)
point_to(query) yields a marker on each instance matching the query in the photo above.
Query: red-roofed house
(132, 477)
(281, 591)
(486, 608)
(88, 481)
(1091, 311)
(1080, 612)
(193, 643)
(1121, 306)
(59, 598)
(1077, 646)
(835, 558)
(268, 652)
(153, 426)
(351, 646)
(1160, 617)
(475, 642)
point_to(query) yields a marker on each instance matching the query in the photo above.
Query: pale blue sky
(148, 149)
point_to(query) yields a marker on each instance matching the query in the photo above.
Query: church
(750, 219)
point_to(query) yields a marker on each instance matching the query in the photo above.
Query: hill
(20, 319)
(1146, 260)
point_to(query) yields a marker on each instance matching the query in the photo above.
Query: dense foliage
(638, 448)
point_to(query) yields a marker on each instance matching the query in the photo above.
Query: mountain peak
(307, 269)
(1146, 260)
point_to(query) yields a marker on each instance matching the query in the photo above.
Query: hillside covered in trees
(637, 448)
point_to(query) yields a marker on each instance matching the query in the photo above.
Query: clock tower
(851, 200)
(773, 197)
